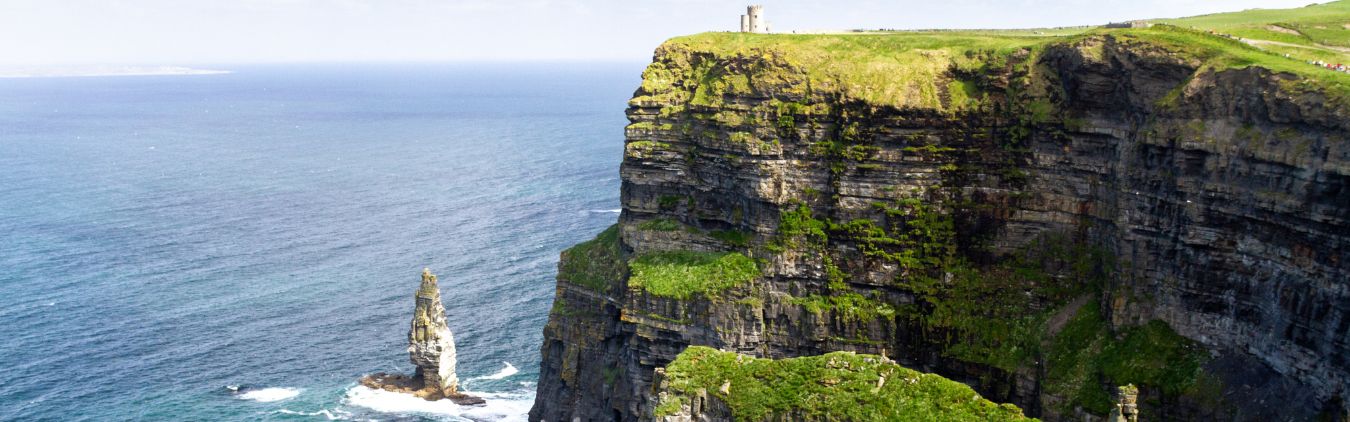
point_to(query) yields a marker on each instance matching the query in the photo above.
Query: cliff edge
(1041, 218)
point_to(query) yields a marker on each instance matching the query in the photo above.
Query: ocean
(166, 238)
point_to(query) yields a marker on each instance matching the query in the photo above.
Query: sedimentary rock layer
(985, 221)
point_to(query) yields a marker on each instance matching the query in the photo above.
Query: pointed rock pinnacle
(431, 346)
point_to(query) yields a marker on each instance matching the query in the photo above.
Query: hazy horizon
(194, 33)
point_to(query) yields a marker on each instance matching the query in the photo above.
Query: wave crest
(270, 394)
(500, 406)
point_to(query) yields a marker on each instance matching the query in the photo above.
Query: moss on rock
(594, 264)
(834, 386)
(683, 274)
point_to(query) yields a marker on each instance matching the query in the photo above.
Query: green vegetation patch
(1086, 357)
(1155, 355)
(1306, 26)
(898, 69)
(942, 70)
(1213, 52)
(849, 306)
(660, 224)
(682, 274)
(595, 263)
(834, 386)
(739, 238)
(995, 315)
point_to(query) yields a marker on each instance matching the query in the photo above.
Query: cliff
(1041, 218)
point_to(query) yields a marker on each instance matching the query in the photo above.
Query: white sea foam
(613, 211)
(270, 394)
(339, 415)
(499, 406)
(509, 370)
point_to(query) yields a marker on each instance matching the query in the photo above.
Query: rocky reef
(1041, 218)
(431, 349)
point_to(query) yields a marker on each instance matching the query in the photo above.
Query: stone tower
(753, 20)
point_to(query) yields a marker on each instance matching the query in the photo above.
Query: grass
(898, 69)
(683, 274)
(1153, 354)
(1072, 370)
(919, 69)
(834, 386)
(1314, 24)
(1086, 356)
(738, 238)
(848, 306)
(1217, 53)
(996, 315)
(596, 263)
(660, 224)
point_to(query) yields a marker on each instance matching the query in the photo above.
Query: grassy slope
(595, 263)
(834, 386)
(907, 69)
(901, 69)
(1316, 32)
(683, 274)
(1318, 24)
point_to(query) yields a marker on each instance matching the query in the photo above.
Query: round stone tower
(755, 14)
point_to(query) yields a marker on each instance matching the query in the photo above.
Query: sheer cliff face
(962, 235)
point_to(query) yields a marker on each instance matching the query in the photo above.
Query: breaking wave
(270, 394)
(340, 415)
(509, 370)
(499, 406)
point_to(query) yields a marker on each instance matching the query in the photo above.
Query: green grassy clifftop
(832, 387)
(915, 68)
(1040, 215)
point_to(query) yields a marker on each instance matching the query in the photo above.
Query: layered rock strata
(431, 349)
(1049, 220)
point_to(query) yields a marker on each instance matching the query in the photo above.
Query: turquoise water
(166, 237)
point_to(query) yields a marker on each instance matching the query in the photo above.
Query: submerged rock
(431, 348)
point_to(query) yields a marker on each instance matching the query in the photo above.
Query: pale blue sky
(255, 31)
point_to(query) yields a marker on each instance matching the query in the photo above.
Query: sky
(190, 32)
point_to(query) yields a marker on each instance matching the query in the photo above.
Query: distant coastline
(96, 71)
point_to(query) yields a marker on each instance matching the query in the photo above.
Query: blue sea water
(162, 238)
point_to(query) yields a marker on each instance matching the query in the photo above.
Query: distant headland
(102, 70)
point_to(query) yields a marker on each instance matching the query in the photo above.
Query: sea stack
(431, 348)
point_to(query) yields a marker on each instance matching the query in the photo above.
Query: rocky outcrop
(431, 348)
(1127, 409)
(703, 384)
(1043, 226)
